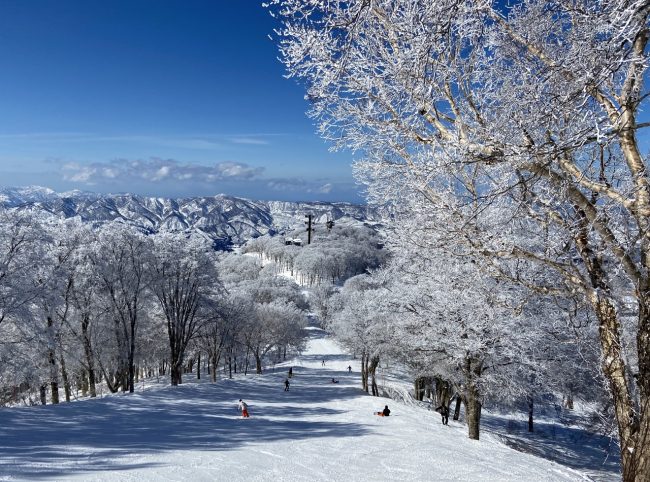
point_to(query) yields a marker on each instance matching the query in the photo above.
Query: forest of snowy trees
(336, 254)
(83, 306)
(503, 143)
(505, 137)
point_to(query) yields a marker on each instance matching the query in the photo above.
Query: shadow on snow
(102, 434)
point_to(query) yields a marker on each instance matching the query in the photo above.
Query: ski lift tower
(309, 227)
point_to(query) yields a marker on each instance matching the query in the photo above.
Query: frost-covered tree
(83, 292)
(120, 263)
(334, 255)
(362, 323)
(52, 306)
(270, 308)
(186, 284)
(22, 243)
(534, 104)
(456, 323)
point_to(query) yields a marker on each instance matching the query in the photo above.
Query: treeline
(333, 256)
(80, 307)
(468, 339)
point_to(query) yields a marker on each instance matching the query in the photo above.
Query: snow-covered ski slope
(317, 431)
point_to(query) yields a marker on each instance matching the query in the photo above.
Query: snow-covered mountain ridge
(226, 219)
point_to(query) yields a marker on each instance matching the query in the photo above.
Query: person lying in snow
(334, 381)
(384, 413)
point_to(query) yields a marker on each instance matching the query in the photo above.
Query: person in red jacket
(244, 408)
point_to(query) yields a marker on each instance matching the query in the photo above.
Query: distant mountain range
(225, 219)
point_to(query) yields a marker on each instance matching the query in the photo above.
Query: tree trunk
(113, 381)
(198, 366)
(132, 358)
(642, 448)
(43, 393)
(64, 376)
(177, 356)
(418, 389)
(457, 409)
(530, 414)
(258, 361)
(372, 368)
(632, 455)
(83, 383)
(176, 372)
(51, 358)
(364, 372)
(472, 369)
(213, 369)
(258, 364)
(473, 412)
(633, 421)
(91, 378)
(421, 385)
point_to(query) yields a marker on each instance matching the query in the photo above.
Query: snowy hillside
(225, 219)
(317, 431)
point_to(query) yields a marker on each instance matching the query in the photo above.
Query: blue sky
(157, 97)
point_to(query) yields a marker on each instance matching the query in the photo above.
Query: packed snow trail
(317, 431)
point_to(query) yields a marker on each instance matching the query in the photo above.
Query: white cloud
(301, 185)
(161, 174)
(249, 140)
(157, 170)
(325, 188)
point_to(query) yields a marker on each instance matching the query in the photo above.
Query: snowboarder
(349, 369)
(443, 410)
(384, 413)
(290, 372)
(286, 385)
(322, 363)
(243, 406)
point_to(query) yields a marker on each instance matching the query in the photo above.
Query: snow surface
(317, 431)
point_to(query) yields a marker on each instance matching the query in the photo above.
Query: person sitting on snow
(384, 413)
(334, 381)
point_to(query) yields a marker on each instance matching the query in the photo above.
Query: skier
(349, 369)
(243, 406)
(323, 363)
(443, 410)
(286, 385)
